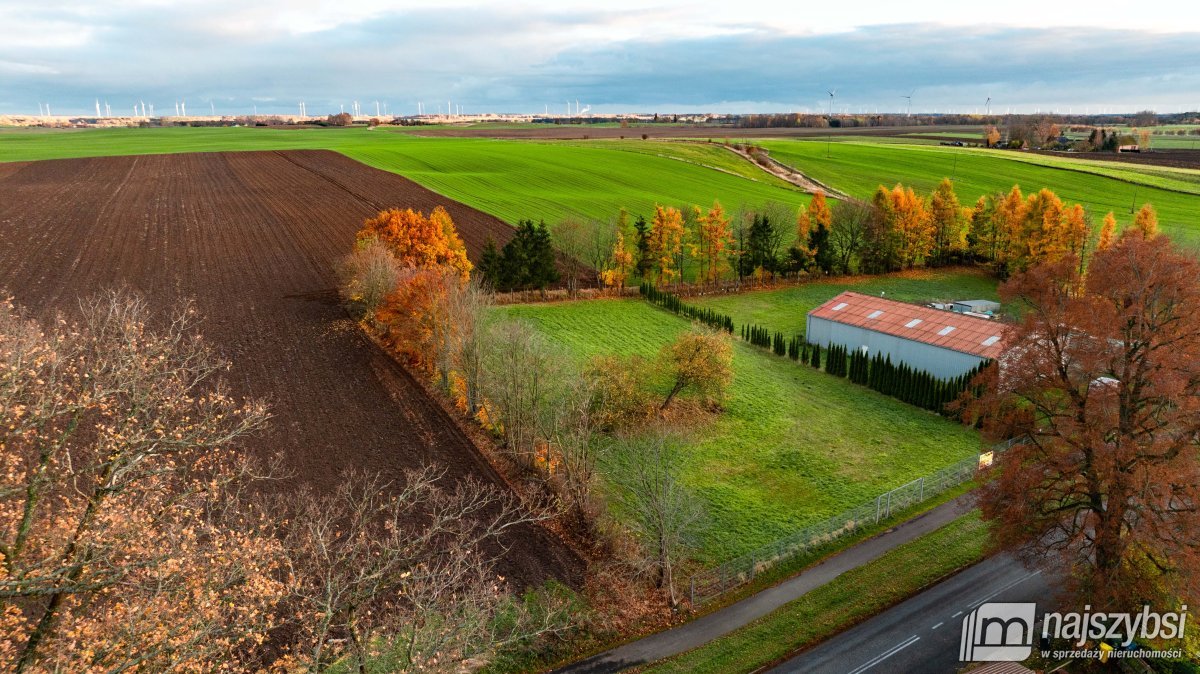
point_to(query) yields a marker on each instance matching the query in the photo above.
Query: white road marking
(956, 614)
(1016, 582)
(937, 626)
(880, 658)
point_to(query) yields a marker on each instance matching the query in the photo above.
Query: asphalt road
(706, 628)
(922, 634)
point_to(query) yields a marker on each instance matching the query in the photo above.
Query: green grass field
(507, 178)
(793, 445)
(859, 167)
(784, 310)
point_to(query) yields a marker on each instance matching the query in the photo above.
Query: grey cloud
(511, 61)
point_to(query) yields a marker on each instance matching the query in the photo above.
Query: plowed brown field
(253, 237)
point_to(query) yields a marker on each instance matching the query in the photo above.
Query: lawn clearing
(859, 167)
(793, 446)
(784, 310)
(510, 179)
(848, 599)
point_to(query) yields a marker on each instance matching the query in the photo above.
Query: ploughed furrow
(379, 189)
(252, 238)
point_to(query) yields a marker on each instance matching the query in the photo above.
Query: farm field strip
(793, 445)
(253, 239)
(859, 168)
(509, 179)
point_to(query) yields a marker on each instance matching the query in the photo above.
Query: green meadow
(784, 310)
(859, 167)
(793, 444)
(510, 179)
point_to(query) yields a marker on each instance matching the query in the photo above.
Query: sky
(239, 56)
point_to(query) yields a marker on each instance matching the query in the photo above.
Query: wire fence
(710, 583)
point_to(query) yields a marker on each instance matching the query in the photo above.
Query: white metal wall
(940, 362)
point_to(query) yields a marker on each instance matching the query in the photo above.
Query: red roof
(968, 334)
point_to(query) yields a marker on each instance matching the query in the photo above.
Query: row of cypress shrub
(901, 381)
(672, 303)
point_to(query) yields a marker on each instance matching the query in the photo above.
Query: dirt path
(789, 174)
(253, 238)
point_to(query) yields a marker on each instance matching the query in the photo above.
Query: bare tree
(403, 575)
(522, 372)
(572, 237)
(468, 310)
(574, 433)
(664, 515)
(367, 276)
(118, 460)
(847, 235)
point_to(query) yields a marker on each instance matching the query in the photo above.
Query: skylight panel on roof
(875, 314)
(840, 306)
(913, 323)
(991, 340)
(946, 330)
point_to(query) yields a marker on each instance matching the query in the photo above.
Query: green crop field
(709, 155)
(507, 178)
(793, 445)
(860, 167)
(784, 310)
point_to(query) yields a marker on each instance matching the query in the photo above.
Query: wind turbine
(909, 97)
(829, 138)
(987, 107)
(97, 107)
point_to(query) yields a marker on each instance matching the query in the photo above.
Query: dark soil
(1172, 158)
(253, 238)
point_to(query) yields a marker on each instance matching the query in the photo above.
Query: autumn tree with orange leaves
(1146, 221)
(620, 264)
(1108, 232)
(948, 220)
(417, 240)
(1100, 387)
(125, 543)
(714, 237)
(666, 242)
(428, 265)
(905, 228)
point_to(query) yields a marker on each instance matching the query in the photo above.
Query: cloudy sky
(616, 55)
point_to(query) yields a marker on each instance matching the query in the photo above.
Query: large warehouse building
(943, 343)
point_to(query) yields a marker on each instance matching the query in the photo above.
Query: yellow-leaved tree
(1146, 222)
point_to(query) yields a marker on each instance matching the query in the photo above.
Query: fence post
(889, 505)
(877, 508)
(922, 497)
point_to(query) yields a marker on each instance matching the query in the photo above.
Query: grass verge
(839, 604)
